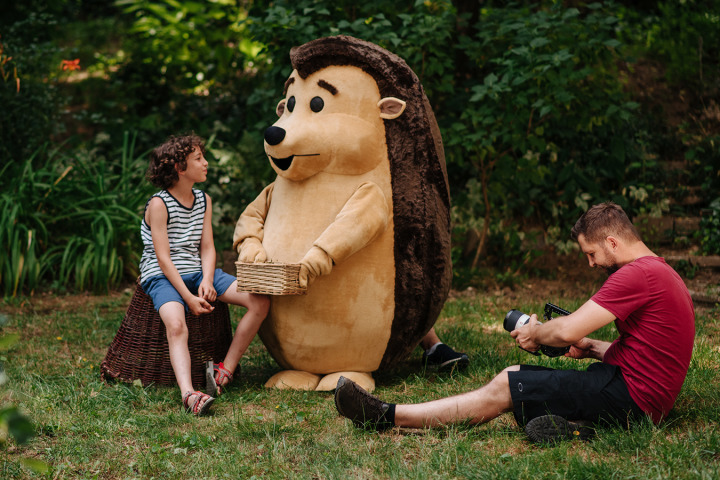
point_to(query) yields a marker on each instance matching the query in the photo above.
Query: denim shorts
(598, 394)
(162, 291)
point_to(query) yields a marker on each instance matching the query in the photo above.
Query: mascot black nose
(274, 135)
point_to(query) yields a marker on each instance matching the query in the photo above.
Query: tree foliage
(533, 100)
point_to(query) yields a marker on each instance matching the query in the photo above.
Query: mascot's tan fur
(361, 201)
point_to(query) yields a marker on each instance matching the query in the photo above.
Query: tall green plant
(73, 221)
(23, 224)
(97, 218)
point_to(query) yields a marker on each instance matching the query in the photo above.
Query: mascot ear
(280, 109)
(391, 107)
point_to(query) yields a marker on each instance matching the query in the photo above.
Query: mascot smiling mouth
(284, 163)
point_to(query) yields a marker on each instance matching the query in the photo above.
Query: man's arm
(588, 348)
(564, 331)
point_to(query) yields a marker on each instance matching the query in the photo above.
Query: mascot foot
(293, 379)
(329, 382)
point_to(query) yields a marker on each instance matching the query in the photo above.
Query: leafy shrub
(23, 225)
(709, 232)
(545, 129)
(532, 108)
(418, 32)
(73, 221)
(30, 102)
(685, 35)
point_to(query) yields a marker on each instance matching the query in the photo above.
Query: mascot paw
(315, 263)
(329, 382)
(294, 380)
(252, 251)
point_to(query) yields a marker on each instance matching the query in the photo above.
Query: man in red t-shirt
(638, 375)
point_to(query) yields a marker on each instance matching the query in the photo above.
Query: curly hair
(174, 151)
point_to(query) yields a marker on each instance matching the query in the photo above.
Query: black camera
(516, 319)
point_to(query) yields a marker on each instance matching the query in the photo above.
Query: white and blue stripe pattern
(185, 227)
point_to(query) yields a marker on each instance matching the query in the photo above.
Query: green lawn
(87, 429)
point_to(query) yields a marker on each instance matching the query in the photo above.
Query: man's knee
(501, 380)
(512, 368)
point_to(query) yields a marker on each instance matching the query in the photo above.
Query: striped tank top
(185, 227)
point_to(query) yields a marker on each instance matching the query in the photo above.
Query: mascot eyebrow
(327, 86)
(321, 83)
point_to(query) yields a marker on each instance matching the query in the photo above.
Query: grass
(86, 429)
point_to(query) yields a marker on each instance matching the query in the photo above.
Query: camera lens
(515, 319)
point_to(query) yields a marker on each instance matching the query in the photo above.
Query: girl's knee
(176, 327)
(259, 304)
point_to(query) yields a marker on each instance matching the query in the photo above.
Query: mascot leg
(293, 379)
(329, 382)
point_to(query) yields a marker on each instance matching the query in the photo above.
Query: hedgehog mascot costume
(361, 202)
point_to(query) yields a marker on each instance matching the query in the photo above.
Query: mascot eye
(291, 104)
(316, 104)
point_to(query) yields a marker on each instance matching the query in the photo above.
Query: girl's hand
(198, 306)
(207, 291)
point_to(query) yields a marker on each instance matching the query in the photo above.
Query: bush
(529, 96)
(546, 128)
(30, 101)
(73, 221)
(709, 232)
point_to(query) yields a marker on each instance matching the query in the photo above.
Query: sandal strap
(221, 373)
(194, 406)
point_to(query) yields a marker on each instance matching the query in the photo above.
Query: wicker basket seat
(140, 350)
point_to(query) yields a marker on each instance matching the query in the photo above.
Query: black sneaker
(445, 358)
(549, 429)
(365, 410)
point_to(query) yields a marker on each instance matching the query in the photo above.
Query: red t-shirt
(656, 321)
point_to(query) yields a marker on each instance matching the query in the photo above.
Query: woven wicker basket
(269, 278)
(140, 349)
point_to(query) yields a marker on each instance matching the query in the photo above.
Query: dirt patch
(46, 303)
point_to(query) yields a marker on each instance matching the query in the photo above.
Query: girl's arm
(156, 216)
(207, 255)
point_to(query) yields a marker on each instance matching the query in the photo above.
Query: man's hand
(198, 305)
(525, 335)
(252, 251)
(206, 290)
(588, 348)
(315, 263)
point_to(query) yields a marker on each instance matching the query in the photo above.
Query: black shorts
(596, 395)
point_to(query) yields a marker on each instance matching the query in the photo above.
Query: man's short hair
(604, 220)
